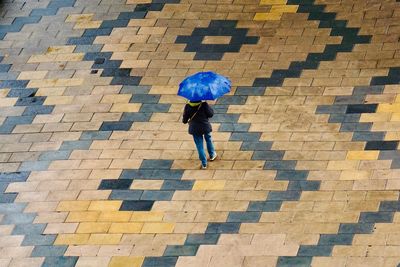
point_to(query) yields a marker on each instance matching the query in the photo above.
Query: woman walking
(197, 114)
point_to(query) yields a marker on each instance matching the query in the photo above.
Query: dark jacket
(199, 125)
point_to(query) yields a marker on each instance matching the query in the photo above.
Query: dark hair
(197, 101)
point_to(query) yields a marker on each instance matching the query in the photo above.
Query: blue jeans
(198, 140)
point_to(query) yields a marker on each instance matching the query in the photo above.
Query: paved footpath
(96, 168)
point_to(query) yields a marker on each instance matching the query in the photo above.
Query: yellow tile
(158, 228)
(284, 9)
(394, 117)
(58, 100)
(267, 16)
(392, 136)
(32, 75)
(147, 184)
(104, 239)
(209, 185)
(126, 262)
(372, 117)
(72, 239)
(87, 25)
(8, 102)
(70, 57)
(105, 205)
(83, 216)
(385, 107)
(41, 58)
(60, 49)
(112, 99)
(355, 175)
(4, 92)
(125, 228)
(125, 107)
(147, 216)
(115, 216)
(362, 155)
(73, 205)
(92, 227)
(79, 17)
(273, 2)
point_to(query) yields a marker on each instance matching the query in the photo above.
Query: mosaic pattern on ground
(96, 168)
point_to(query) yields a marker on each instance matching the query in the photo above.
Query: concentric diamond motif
(220, 37)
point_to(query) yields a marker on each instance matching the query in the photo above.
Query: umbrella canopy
(204, 86)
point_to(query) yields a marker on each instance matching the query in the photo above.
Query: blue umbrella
(204, 86)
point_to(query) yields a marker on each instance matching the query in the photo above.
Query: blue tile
(30, 101)
(160, 262)
(12, 208)
(8, 197)
(3, 187)
(244, 216)
(133, 116)
(249, 90)
(80, 40)
(126, 194)
(13, 176)
(159, 164)
(287, 261)
(389, 206)
(21, 92)
(339, 118)
(48, 251)
(95, 135)
(362, 108)
(368, 90)
(291, 175)
(304, 185)
(18, 218)
(157, 195)
(136, 90)
(88, 48)
(93, 56)
(168, 174)
(368, 136)
(223, 228)
(133, 80)
(55, 155)
(34, 165)
(376, 217)
(382, 145)
(220, 118)
(353, 127)
(356, 228)
(253, 137)
(284, 195)
(350, 99)
(331, 109)
(61, 3)
(76, 145)
(234, 127)
(268, 155)
(336, 239)
(257, 147)
(280, 165)
(38, 240)
(132, 205)
(201, 239)
(266, 206)
(96, 32)
(132, 15)
(4, 67)
(177, 185)
(35, 110)
(110, 184)
(145, 99)
(43, 12)
(118, 23)
(181, 250)
(116, 126)
(232, 100)
(156, 108)
(29, 229)
(60, 261)
(315, 250)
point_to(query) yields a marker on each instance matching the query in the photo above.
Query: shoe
(213, 157)
(203, 167)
